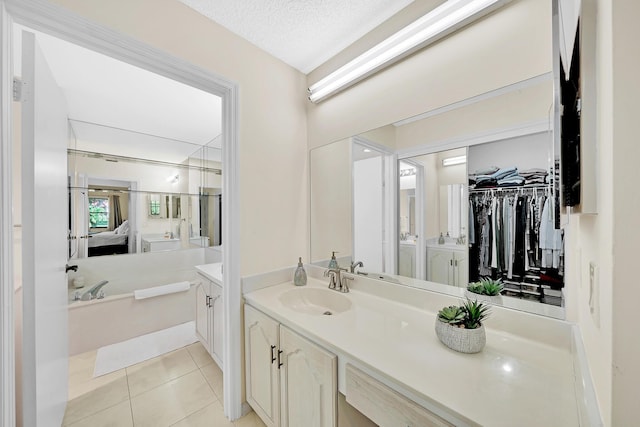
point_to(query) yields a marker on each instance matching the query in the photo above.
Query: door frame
(57, 21)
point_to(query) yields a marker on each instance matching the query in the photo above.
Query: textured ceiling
(302, 33)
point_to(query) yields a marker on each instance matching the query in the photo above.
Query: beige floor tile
(210, 416)
(116, 416)
(250, 420)
(83, 382)
(212, 373)
(154, 372)
(200, 354)
(171, 402)
(96, 400)
(82, 362)
(218, 387)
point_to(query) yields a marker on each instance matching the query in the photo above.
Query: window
(99, 212)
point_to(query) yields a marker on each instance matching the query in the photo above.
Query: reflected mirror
(160, 206)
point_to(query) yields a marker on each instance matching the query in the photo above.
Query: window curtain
(115, 213)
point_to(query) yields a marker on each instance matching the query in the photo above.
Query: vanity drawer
(385, 406)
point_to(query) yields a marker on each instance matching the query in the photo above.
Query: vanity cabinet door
(461, 261)
(308, 378)
(407, 262)
(261, 365)
(217, 323)
(202, 312)
(439, 266)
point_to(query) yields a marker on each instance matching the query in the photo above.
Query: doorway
(57, 22)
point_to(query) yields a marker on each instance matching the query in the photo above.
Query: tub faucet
(92, 293)
(354, 265)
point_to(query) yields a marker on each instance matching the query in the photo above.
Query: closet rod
(512, 189)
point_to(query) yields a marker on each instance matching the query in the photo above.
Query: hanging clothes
(514, 235)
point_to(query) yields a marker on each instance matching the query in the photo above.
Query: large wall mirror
(450, 197)
(126, 205)
(144, 155)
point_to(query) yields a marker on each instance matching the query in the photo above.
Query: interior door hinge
(17, 89)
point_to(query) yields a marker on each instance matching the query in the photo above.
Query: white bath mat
(126, 353)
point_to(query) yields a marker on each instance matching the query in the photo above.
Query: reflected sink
(315, 301)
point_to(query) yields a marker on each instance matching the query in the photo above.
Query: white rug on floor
(126, 353)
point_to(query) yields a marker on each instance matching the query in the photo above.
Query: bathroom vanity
(378, 348)
(209, 310)
(447, 263)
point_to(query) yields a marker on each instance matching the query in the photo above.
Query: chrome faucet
(355, 265)
(337, 281)
(94, 291)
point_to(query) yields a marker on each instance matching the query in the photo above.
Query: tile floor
(182, 388)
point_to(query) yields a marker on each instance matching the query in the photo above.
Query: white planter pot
(460, 339)
(496, 299)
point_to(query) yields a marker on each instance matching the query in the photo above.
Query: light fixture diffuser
(450, 161)
(443, 20)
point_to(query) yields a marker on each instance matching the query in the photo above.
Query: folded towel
(504, 172)
(161, 290)
(511, 181)
(487, 171)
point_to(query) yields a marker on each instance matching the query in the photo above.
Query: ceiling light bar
(436, 24)
(450, 161)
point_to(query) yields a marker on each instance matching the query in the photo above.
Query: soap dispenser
(441, 239)
(300, 276)
(333, 263)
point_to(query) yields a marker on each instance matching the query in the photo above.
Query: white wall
(367, 213)
(510, 45)
(331, 215)
(626, 203)
(273, 167)
(609, 239)
(525, 152)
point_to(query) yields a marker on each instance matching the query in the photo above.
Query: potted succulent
(460, 327)
(486, 289)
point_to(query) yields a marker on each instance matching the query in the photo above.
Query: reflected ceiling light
(450, 161)
(173, 178)
(366, 150)
(443, 20)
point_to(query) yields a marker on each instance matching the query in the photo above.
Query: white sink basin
(315, 301)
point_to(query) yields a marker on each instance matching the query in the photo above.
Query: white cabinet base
(384, 406)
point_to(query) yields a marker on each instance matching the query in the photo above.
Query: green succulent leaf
(475, 313)
(486, 286)
(453, 315)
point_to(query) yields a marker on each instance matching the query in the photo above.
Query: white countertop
(212, 271)
(154, 239)
(512, 382)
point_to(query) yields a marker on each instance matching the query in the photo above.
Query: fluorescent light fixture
(173, 178)
(443, 20)
(450, 161)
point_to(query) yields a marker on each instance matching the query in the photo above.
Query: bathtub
(100, 322)
(118, 316)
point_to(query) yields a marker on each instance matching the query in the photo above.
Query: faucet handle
(331, 274)
(345, 282)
